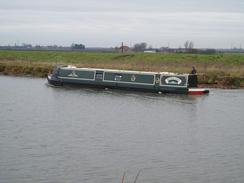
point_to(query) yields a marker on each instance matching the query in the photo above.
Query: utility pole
(122, 47)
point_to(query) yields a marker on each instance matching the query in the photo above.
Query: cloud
(125, 5)
(107, 23)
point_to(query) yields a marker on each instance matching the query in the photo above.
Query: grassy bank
(221, 70)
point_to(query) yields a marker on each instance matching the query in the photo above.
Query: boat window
(99, 76)
(117, 77)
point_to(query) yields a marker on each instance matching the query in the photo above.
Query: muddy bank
(17, 70)
(208, 80)
(218, 81)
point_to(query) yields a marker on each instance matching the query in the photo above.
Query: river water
(71, 135)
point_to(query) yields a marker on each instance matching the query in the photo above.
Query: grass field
(212, 68)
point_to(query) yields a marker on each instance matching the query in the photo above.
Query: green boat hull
(129, 80)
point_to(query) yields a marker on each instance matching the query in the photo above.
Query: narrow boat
(161, 82)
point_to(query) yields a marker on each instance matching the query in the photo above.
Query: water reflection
(126, 94)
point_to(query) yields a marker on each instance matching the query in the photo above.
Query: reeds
(136, 178)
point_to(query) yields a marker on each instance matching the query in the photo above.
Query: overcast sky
(208, 23)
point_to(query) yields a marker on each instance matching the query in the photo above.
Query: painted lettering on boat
(133, 78)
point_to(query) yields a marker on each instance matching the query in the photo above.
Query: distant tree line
(138, 47)
(188, 47)
(78, 46)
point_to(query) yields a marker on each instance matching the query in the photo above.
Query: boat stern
(198, 91)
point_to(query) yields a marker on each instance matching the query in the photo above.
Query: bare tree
(191, 45)
(186, 44)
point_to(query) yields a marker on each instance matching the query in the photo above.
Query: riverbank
(214, 70)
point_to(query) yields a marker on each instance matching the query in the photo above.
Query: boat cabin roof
(70, 67)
